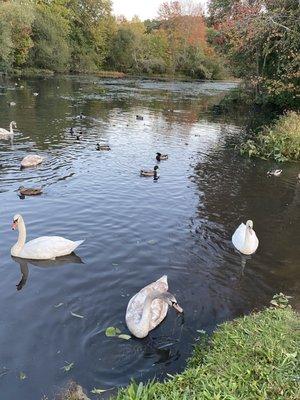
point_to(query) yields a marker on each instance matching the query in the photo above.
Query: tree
(50, 34)
(261, 39)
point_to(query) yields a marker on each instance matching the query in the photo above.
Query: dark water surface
(136, 230)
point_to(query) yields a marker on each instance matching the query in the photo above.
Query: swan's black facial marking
(15, 221)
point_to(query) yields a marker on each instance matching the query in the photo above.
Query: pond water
(135, 229)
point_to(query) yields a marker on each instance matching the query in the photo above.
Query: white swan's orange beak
(14, 225)
(177, 308)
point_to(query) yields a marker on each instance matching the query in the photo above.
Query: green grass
(280, 142)
(250, 358)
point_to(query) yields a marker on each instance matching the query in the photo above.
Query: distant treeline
(83, 36)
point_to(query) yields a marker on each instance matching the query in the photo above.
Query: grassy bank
(251, 358)
(279, 142)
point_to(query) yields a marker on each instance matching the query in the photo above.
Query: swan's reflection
(58, 262)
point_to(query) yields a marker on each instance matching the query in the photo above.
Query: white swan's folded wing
(47, 247)
(238, 238)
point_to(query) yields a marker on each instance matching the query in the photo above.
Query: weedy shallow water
(136, 230)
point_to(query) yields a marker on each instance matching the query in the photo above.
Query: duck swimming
(29, 191)
(160, 157)
(148, 308)
(153, 173)
(104, 147)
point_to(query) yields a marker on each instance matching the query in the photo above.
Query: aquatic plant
(279, 142)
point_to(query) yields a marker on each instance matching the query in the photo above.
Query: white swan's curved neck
(145, 320)
(11, 128)
(22, 236)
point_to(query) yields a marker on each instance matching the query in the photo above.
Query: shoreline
(251, 357)
(36, 73)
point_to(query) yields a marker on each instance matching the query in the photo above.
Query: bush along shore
(254, 357)
(279, 142)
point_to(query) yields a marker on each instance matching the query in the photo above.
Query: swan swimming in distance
(5, 134)
(148, 308)
(244, 238)
(274, 172)
(41, 248)
(31, 161)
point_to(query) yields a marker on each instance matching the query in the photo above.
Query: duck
(35, 94)
(160, 157)
(274, 172)
(148, 308)
(30, 191)
(12, 104)
(103, 147)
(154, 172)
(5, 134)
(139, 117)
(41, 248)
(80, 116)
(31, 161)
(244, 238)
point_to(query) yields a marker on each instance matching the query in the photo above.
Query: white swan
(42, 248)
(31, 161)
(244, 238)
(5, 134)
(274, 172)
(149, 307)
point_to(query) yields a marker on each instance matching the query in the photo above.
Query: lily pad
(112, 331)
(22, 376)
(124, 336)
(68, 367)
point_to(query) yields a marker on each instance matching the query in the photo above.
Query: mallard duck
(139, 117)
(103, 147)
(148, 308)
(160, 157)
(31, 161)
(42, 248)
(274, 172)
(244, 238)
(29, 191)
(150, 173)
